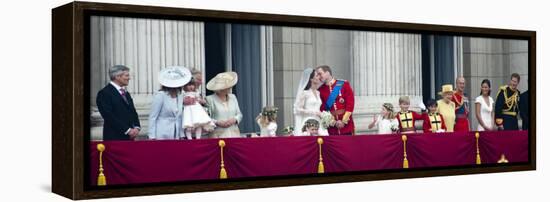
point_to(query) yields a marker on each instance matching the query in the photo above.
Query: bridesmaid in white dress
(484, 107)
(385, 121)
(308, 103)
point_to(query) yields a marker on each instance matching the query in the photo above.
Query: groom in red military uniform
(461, 107)
(337, 97)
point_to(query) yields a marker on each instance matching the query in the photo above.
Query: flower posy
(288, 130)
(394, 126)
(327, 120)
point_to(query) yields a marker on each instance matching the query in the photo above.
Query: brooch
(341, 100)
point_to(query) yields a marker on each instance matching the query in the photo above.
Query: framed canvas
(155, 100)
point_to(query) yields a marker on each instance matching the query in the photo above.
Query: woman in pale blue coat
(165, 118)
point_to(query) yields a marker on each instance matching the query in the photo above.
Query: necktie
(123, 94)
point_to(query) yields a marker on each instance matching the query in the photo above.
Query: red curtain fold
(513, 144)
(135, 162)
(156, 161)
(270, 156)
(441, 149)
(363, 152)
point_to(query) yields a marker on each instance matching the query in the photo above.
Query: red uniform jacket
(407, 123)
(343, 105)
(438, 122)
(461, 111)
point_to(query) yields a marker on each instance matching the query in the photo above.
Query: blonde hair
(268, 115)
(389, 108)
(195, 71)
(404, 99)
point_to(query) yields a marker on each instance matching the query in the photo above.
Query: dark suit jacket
(524, 109)
(118, 116)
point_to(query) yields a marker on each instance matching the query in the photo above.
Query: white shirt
(117, 87)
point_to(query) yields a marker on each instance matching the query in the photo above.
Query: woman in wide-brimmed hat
(223, 105)
(165, 117)
(446, 107)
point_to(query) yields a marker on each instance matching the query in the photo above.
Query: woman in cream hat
(223, 105)
(446, 107)
(165, 117)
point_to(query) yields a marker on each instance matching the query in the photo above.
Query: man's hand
(134, 132)
(339, 124)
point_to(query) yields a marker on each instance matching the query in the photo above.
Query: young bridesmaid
(385, 121)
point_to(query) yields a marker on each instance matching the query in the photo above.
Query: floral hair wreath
(388, 106)
(269, 111)
(311, 123)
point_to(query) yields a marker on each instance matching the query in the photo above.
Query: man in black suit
(120, 119)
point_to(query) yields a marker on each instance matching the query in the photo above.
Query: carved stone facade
(381, 66)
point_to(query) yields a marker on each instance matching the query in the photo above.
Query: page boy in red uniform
(405, 117)
(433, 121)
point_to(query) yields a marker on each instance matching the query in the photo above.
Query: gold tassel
(101, 180)
(405, 161)
(223, 172)
(321, 167)
(478, 157)
(502, 159)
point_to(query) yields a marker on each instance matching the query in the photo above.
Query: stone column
(384, 66)
(145, 46)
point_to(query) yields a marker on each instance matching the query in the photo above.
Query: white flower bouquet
(394, 126)
(327, 120)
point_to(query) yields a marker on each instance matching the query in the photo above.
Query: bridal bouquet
(327, 120)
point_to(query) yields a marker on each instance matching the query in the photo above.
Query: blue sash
(332, 97)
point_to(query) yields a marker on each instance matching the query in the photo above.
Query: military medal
(341, 100)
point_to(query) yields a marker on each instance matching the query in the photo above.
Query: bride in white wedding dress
(308, 103)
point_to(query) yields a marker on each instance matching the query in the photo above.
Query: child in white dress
(310, 128)
(195, 118)
(385, 121)
(267, 120)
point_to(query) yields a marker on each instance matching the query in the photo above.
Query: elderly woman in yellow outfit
(446, 106)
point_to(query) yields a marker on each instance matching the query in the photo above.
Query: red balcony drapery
(136, 162)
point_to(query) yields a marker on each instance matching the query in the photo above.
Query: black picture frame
(70, 81)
